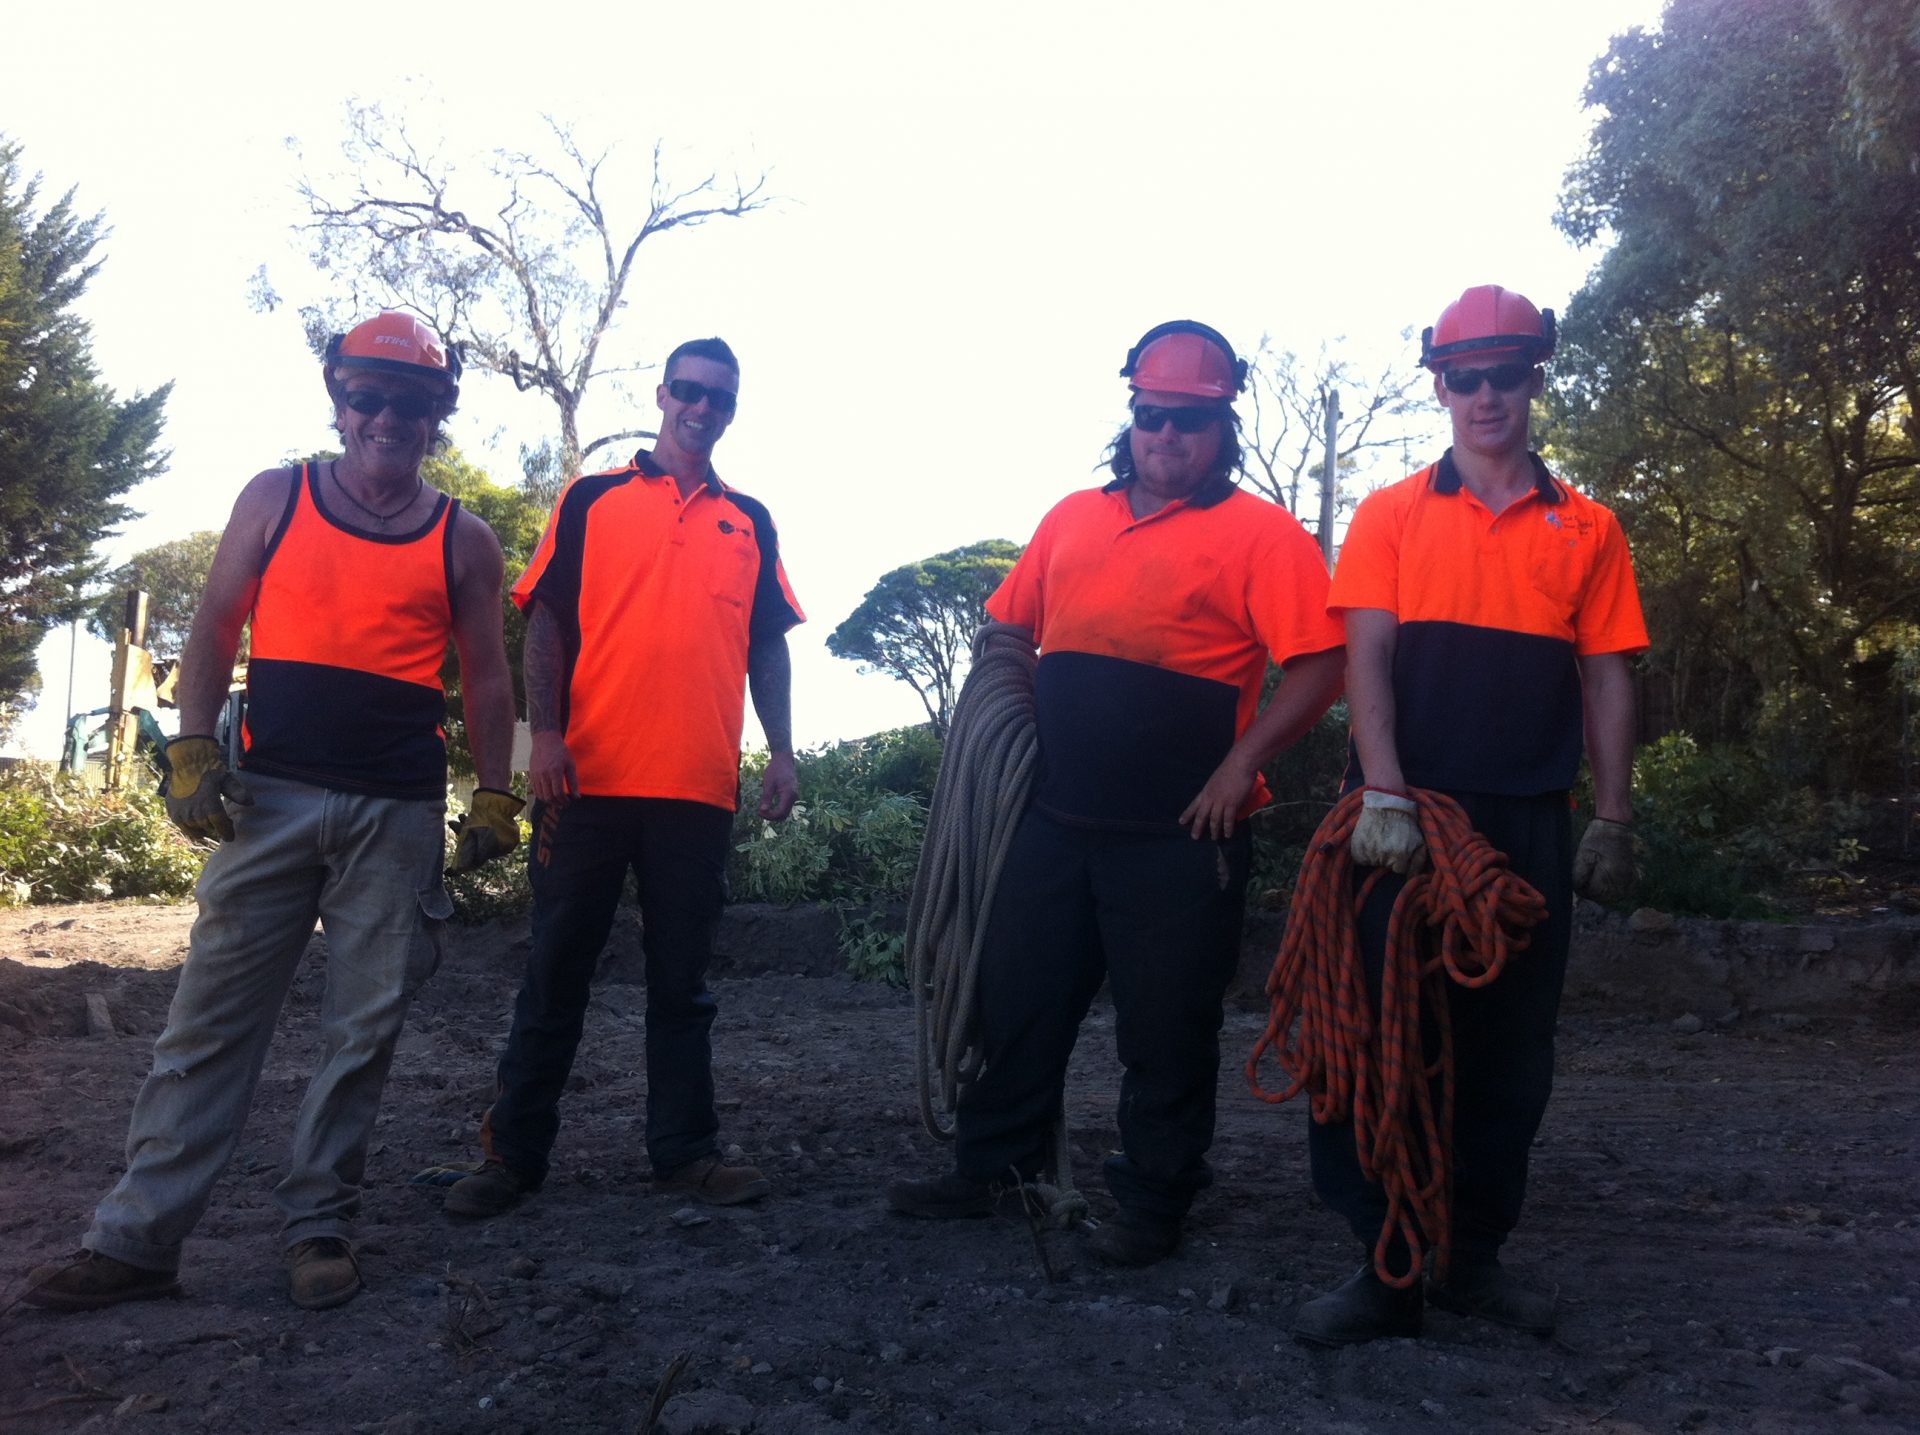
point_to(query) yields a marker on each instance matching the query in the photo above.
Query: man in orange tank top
(656, 597)
(354, 573)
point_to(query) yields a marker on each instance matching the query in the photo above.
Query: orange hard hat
(1185, 357)
(395, 343)
(1488, 320)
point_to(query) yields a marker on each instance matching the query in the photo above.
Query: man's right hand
(551, 776)
(196, 785)
(1387, 833)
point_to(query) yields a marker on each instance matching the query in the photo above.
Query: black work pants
(578, 863)
(1502, 1041)
(1158, 917)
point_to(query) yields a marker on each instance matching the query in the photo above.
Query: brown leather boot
(91, 1281)
(711, 1180)
(322, 1273)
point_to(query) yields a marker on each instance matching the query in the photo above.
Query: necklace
(333, 471)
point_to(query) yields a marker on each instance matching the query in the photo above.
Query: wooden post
(1329, 474)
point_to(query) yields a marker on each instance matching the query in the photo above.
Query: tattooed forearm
(543, 668)
(770, 680)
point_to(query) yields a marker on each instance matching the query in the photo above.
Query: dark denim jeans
(578, 863)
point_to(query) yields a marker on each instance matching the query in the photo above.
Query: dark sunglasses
(409, 407)
(1151, 418)
(721, 401)
(1505, 378)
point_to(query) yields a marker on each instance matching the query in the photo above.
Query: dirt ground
(1729, 1213)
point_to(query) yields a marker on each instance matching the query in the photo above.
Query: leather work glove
(195, 786)
(1603, 867)
(1388, 832)
(489, 828)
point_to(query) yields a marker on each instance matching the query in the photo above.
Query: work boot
(711, 1180)
(322, 1273)
(1488, 1291)
(1363, 1308)
(951, 1197)
(493, 1190)
(1131, 1239)
(89, 1281)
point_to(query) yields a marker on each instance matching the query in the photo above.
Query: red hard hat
(395, 343)
(1488, 320)
(1185, 358)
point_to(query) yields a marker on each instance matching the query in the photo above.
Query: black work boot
(1488, 1291)
(951, 1197)
(1363, 1308)
(1131, 1239)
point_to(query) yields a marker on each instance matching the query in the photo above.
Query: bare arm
(233, 582)
(1606, 695)
(551, 777)
(770, 681)
(1307, 690)
(1372, 636)
(485, 681)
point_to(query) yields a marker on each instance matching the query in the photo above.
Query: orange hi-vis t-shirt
(1495, 610)
(1154, 636)
(350, 629)
(659, 601)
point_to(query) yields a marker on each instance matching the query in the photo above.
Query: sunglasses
(721, 401)
(409, 407)
(1505, 378)
(1151, 418)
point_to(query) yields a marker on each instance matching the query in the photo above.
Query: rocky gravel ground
(1726, 1203)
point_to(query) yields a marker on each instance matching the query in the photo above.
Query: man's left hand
(779, 788)
(1215, 811)
(1603, 867)
(489, 828)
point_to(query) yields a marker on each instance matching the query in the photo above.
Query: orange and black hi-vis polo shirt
(659, 601)
(349, 631)
(1495, 609)
(1154, 635)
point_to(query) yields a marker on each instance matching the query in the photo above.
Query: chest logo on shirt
(726, 526)
(1569, 531)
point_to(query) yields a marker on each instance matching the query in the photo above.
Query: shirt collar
(1214, 491)
(1446, 478)
(643, 461)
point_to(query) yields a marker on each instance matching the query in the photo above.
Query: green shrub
(1721, 836)
(62, 841)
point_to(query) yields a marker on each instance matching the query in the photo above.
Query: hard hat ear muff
(1186, 326)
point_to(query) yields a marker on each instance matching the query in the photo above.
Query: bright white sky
(981, 208)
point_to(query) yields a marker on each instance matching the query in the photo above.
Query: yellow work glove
(1603, 867)
(1387, 833)
(195, 786)
(490, 828)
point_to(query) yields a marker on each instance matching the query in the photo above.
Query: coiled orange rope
(1460, 919)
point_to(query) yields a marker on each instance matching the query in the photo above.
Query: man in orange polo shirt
(1490, 615)
(1156, 603)
(656, 596)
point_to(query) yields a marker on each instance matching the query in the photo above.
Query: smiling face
(385, 448)
(694, 428)
(1488, 422)
(1170, 464)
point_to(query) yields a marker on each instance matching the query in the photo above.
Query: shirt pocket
(733, 566)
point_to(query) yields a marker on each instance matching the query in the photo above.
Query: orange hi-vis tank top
(349, 631)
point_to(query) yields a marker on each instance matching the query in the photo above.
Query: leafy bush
(854, 836)
(61, 841)
(1721, 836)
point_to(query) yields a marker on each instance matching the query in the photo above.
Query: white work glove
(1388, 832)
(1603, 867)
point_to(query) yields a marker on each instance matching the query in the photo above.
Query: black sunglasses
(1505, 378)
(410, 407)
(721, 401)
(1151, 418)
